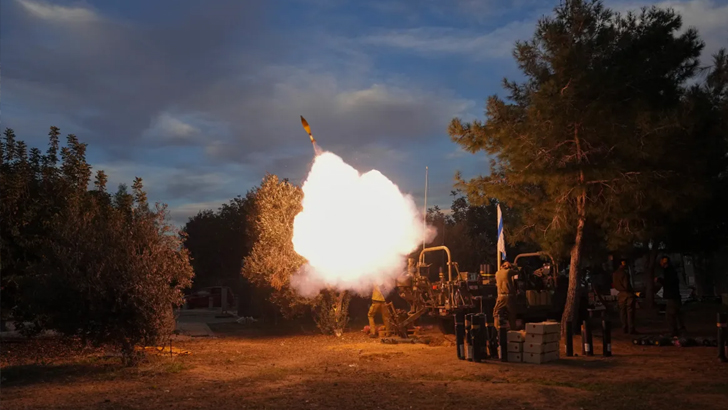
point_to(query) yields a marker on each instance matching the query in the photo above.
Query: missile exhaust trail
(307, 128)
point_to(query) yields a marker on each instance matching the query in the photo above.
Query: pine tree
(578, 149)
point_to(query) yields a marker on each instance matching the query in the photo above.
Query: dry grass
(252, 369)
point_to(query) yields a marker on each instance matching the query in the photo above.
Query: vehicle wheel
(446, 325)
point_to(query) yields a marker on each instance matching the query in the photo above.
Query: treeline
(105, 267)
(247, 244)
(615, 143)
(616, 137)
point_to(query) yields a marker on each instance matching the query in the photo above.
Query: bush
(331, 312)
(84, 263)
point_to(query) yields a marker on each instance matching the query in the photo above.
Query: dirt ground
(292, 369)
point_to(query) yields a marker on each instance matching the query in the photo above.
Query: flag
(501, 237)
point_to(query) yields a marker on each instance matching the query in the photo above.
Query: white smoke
(355, 230)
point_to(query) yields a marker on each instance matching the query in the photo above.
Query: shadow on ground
(25, 375)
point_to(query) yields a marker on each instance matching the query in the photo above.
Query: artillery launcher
(456, 292)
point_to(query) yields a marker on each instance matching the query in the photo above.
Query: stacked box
(515, 345)
(516, 336)
(541, 342)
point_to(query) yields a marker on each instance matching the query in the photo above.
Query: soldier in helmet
(378, 305)
(506, 300)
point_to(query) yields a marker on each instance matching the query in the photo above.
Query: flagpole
(424, 218)
(500, 242)
(500, 260)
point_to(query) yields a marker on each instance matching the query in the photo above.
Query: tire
(446, 325)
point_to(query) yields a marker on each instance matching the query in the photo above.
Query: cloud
(200, 79)
(345, 111)
(707, 16)
(180, 214)
(115, 76)
(170, 128)
(170, 184)
(487, 9)
(55, 13)
(201, 101)
(475, 43)
(436, 41)
(459, 152)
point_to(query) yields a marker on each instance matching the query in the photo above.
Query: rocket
(306, 127)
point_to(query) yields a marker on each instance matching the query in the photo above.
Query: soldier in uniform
(506, 295)
(671, 294)
(378, 305)
(627, 299)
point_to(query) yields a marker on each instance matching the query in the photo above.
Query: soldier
(378, 305)
(671, 294)
(626, 298)
(506, 295)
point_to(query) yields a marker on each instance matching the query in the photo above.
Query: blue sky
(201, 98)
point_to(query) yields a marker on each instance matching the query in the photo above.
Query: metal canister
(460, 334)
(503, 339)
(469, 336)
(606, 338)
(477, 331)
(722, 335)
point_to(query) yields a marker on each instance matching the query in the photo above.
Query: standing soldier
(506, 295)
(378, 305)
(671, 294)
(626, 298)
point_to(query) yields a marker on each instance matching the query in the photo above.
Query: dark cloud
(201, 98)
(114, 76)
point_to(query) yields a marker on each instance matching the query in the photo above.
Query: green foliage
(470, 233)
(84, 263)
(704, 119)
(596, 118)
(589, 144)
(272, 260)
(218, 242)
(330, 312)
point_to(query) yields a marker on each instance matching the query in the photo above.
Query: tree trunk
(339, 306)
(701, 274)
(571, 309)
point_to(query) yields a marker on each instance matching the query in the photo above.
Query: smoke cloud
(355, 230)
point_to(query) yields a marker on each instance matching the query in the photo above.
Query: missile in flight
(308, 129)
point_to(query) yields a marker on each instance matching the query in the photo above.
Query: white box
(542, 338)
(516, 347)
(543, 328)
(534, 358)
(515, 357)
(540, 347)
(516, 336)
(539, 358)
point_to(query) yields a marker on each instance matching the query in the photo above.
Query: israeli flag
(501, 238)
